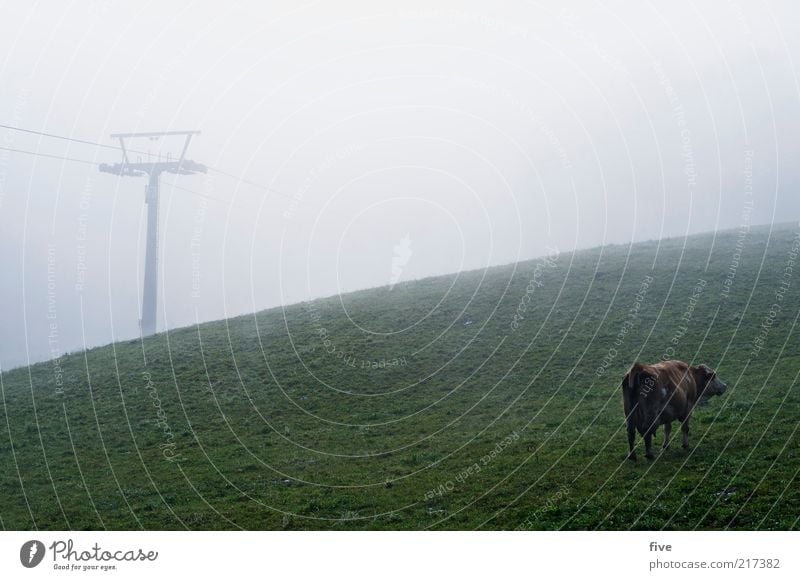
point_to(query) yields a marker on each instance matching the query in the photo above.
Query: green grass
(263, 428)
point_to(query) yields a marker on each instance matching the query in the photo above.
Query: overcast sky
(394, 140)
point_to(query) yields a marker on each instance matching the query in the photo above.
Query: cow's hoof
(632, 456)
(685, 446)
(649, 455)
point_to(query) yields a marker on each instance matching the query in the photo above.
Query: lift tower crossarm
(186, 167)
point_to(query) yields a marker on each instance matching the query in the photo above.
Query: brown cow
(661, 393)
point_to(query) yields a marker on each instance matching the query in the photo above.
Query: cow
(661, 393)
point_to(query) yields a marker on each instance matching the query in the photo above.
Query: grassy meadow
(486, 399)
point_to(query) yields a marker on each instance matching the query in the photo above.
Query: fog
(358, 144)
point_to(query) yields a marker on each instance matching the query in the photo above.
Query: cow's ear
(703, 373)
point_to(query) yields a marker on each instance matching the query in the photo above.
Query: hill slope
(484, 399)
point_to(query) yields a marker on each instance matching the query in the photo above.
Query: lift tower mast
(152, 169)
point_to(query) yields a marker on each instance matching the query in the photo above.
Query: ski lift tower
(153, 170)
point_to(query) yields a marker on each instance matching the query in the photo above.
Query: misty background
(347, 138)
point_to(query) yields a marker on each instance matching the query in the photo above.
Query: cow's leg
(667, 433)
(648, 444)
(685, 431)
(631, 440)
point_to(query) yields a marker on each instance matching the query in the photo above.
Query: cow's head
(708, 383)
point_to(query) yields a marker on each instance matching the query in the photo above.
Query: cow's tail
(631, 389)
